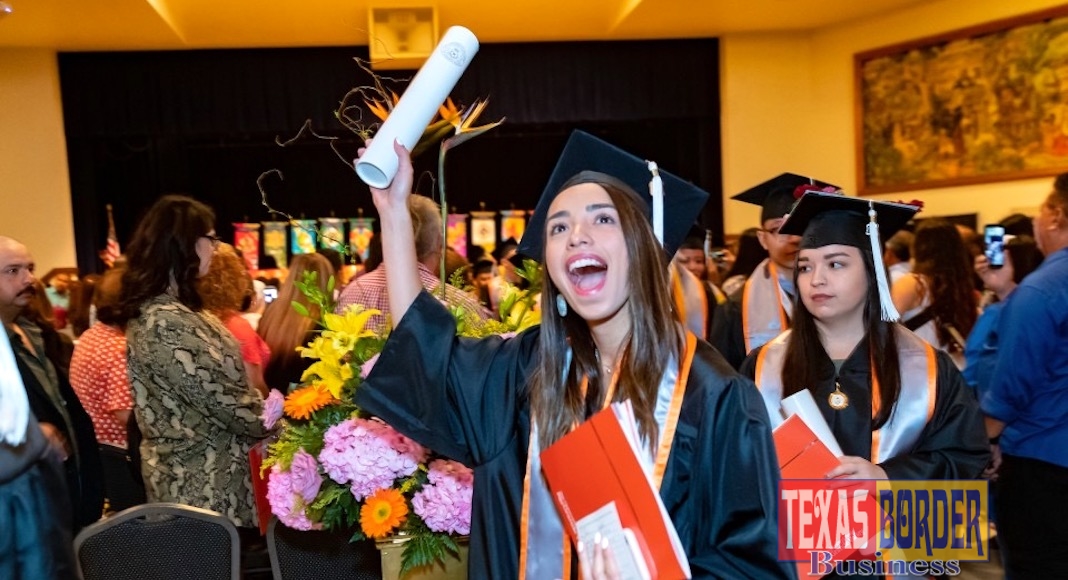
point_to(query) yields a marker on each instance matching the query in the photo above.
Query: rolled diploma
(801, 403)
(427, 91)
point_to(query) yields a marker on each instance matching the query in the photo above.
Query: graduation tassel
(888, 311)
(656, 190)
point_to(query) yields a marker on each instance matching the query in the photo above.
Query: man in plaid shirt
(369, 290)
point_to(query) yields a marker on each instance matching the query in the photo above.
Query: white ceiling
(186, 24)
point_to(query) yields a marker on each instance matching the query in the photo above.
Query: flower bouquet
(334, 467)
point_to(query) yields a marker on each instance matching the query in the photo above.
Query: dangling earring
(561, 306)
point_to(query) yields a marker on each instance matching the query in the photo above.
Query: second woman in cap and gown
(607, 334)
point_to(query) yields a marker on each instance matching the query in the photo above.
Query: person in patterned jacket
(192, 400)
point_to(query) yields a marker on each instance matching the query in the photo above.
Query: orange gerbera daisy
(301, 403)
(383, 512)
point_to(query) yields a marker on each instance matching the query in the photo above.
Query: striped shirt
(370, 291)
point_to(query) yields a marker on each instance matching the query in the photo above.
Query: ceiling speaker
(402, 37)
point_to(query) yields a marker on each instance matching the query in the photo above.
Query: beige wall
(35, 203)
(788, 106)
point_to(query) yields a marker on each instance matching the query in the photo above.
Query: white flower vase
(391, 549)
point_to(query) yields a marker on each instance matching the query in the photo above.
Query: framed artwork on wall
(982, 104)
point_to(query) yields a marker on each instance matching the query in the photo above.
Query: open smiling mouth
(587, 274)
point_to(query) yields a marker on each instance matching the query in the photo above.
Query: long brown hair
(803, 348)
(282, 327)
(946, 266)
(164, 246)
(654, 338)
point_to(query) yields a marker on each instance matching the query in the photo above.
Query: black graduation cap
(822, 219)
(776, 195)
(695, 237)
(584, 152)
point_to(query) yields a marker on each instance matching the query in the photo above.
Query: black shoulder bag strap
(919, 320)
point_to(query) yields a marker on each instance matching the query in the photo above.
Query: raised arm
(398, 238)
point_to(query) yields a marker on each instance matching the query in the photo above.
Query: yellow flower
(301, 403)
(323, 349)
(332, 375)
(383, 512)
(343, 330)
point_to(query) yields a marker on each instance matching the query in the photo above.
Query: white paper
(14, 407)
(410, 117)
(605, 521)
(801, 403)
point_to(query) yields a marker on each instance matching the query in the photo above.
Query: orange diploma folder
(596, 466)
(801, 454)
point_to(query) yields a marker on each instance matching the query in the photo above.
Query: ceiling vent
(402, 37)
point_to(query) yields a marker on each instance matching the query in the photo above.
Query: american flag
(112, 251)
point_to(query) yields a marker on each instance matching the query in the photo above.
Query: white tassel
(888, 311)
(656, 190)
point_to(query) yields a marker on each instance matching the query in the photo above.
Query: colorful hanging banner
(302, 237)
(513, 224)
(332, 233)
(274, 242)
(484, 229)
(456, 233)
(247, 241)
(361, 230)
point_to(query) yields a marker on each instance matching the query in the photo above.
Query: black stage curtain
(205, 123)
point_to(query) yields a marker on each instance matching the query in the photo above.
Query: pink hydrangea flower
(368, 455)
(445, 502)
(304, 473)
(286, 503)
(272, 408)
(365, 368)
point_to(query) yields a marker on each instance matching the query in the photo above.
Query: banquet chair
(320, 555)
(160, 541)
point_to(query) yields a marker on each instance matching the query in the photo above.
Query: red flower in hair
(800, 190)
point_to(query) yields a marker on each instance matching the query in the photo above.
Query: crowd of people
(147, 383)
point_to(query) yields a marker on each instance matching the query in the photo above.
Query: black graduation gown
(953, 445)
(467, 399)
(726, 332)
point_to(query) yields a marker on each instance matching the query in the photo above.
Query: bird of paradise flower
(451, 127)
(450, 119)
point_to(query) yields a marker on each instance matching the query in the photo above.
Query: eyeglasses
(215, 240)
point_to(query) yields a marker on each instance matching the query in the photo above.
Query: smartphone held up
(994, 245)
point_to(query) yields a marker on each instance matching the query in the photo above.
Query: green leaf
(428, 549)
(335, 506)
(300, 308)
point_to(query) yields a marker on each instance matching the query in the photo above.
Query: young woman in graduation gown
(897, 406)
(494, 403)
